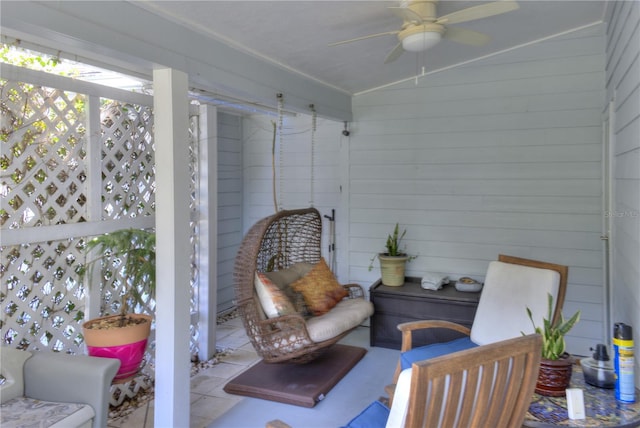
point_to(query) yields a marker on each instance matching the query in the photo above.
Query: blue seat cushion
(375, 415)
(434, 350)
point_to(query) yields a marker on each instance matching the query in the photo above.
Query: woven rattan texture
(276, 243)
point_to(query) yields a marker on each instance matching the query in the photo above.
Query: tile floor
(208, 400)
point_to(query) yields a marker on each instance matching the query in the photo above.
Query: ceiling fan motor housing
(426, 10)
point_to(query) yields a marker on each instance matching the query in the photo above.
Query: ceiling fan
(422, 28)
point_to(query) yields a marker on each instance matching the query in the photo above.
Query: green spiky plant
(553, 343)
(137, 248)
(393, 245)
(393, 241)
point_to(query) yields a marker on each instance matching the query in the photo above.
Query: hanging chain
(314, 118)
(280, 128)
(273, 166)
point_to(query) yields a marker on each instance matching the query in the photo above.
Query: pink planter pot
(127, 344)
(130, 357)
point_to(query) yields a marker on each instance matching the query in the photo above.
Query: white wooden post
(172, 248)
(208, 239)
(94, 209)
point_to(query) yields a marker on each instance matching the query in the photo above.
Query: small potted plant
(393, 261)
(131, 253)
(555, 366)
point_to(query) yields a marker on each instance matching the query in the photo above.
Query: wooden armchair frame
(487, 386)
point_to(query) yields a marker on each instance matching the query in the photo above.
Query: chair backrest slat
(466, 410)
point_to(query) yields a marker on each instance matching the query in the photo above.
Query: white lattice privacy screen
(77, 160)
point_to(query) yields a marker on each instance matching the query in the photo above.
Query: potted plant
(393, 262)
(555, 366)
(130, 253)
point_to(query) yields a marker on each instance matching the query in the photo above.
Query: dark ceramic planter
(554, 376)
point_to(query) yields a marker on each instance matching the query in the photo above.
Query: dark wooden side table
(410, 302)
(601, 408)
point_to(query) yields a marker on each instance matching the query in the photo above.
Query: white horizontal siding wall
(229, 203)
(499, 156)
(293, 171)
(623, 88)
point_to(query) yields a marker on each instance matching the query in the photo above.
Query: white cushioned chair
(50, 389)
(511, 285)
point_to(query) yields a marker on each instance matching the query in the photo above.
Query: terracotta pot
(126, 344)
(554, 376)
(392, 269)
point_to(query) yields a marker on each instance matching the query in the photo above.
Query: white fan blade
(370, 36)
(478, 12)
(394, 54)
(406, 14)
(466, 37)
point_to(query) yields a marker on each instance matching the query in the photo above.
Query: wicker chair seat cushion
(273, 300)
(320, 289)
(347, 314)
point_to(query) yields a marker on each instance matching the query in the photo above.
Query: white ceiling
(296, 34)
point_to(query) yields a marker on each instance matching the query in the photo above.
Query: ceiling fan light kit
(418, 39)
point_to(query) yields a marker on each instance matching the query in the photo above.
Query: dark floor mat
(299, 384)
